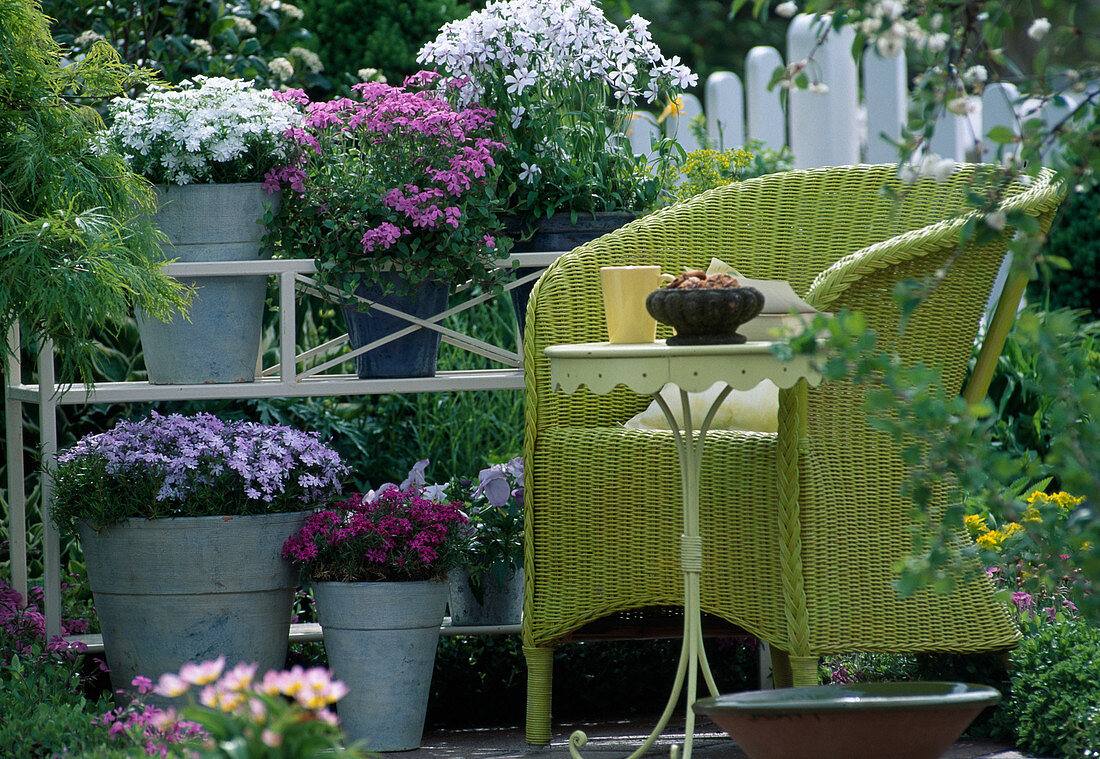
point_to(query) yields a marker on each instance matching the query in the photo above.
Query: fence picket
(823, 130)
(725, 109)
(766, 119)
(886, 96)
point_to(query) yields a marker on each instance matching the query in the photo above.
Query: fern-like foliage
(77, 248)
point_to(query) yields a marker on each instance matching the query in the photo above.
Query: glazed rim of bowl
(888, 696)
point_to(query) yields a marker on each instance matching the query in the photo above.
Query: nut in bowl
(705, 310)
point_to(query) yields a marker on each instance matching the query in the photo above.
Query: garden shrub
(1055, 698)
(1023, 426)
(375, 34)
(262, 40)
(1074, 236)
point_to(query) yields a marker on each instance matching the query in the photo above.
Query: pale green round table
(646, 368)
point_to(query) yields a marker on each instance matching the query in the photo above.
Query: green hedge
(384, 35)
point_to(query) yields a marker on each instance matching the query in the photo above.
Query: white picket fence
(834, 128)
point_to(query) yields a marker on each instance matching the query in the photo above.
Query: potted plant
(77, 246)
(377, 565)
(487, 588)
(393, 194)
(181, 519)
(563, 81)
(208, 146)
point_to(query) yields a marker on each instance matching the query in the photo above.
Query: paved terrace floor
(616, 739)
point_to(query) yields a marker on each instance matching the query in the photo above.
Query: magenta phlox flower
(395, 533)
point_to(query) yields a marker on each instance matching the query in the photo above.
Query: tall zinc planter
(188, 589)
(381, 638)
(500, 604)
(220, 342)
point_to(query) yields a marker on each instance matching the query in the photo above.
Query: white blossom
(996, 220)
(975, 75)
(243, 24)
(281, 67)
(786, 9)
(202, 46)
(1038, 29)
(308, 58)
(85, 39)
(960, 105)
(530, 173)
(178, 136)
(818, 88)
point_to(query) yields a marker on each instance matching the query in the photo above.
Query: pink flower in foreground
(203, 673)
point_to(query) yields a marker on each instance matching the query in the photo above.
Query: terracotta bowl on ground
(897, 720)
(705, 316)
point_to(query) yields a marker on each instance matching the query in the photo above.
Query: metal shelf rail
(311, 380)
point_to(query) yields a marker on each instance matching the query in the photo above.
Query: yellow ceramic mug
(624, 292)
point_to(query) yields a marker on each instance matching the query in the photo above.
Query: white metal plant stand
(647, 368)
(305, 374)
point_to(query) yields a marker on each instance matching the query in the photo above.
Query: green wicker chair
(603, 502)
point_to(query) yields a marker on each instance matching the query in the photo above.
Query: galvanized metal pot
(220, 340)
(499, 604)
(380, 638)
(170, 591)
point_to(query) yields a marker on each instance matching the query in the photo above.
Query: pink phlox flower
(291, 96)
(422, 79)
(489, 241)
(142, 683)
(383, 236)
(1023, 600)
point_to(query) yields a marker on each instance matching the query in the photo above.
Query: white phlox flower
(530, 173)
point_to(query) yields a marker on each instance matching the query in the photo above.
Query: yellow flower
(991, 540)
(1065, 501)
(674, 108)
(975, 524)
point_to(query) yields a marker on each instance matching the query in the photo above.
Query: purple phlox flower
(1023, 600)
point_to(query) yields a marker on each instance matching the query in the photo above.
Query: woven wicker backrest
(832, 233)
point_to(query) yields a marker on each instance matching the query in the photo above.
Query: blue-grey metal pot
(220, 342)
(499, 604)
(413, 355)
(380, 638)
(189, 589)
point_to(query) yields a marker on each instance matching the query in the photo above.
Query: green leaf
(1002, 135)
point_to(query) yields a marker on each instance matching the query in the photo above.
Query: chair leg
(804, 670)
(781, 668)
(540, 672)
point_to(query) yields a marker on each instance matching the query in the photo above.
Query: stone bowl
(893, 720)
(705, 316)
